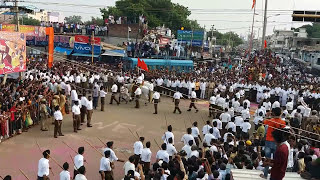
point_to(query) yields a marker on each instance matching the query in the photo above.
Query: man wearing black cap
(105, 167)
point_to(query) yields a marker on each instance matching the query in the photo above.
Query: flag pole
(251, 38)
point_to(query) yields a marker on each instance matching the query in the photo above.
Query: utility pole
(264, 24)
(92, 43)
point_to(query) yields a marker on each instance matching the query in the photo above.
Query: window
(318, 62)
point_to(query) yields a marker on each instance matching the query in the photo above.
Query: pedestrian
(81, 175)
(176, 96)
(146, 157)
(95, 95)
(156, 100)
(89, 106)
(78, 161)
(137, 94)
(65, 174)
(114, 90)
(44, 115)
(137, 148)
(102, 98)
(193, 100)
(105, 169)
(83, 107)
(58, 122)
(76, 116)
(43, 166)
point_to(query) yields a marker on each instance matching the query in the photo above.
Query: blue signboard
(59, 41)
(86, 49)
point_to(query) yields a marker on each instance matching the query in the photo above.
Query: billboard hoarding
(86, 49)
(12, 52)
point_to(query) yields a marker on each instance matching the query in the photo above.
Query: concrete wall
(121, 30)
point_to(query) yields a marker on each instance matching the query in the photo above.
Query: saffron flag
(265, 44)
(139, 63)
(144, 66)
(254, 4)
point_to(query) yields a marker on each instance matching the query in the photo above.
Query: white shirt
(225, 117)
(245, 127)
(76, 110)
(195, 132)
(231, 125)
(171, 149)
(128, 166)
(193, 95)
(168, 135)
(146, 155)
(276, 104)
(58, 115)
(137, 147)
(113, 156)
(78, 161)
(245, 113)
(74, 95)
(206, 129)
(80, 177)
(212, 100)
(219, 123)
(78, 79)
(161, 154)
(177, 95)
(102, 93)
(238, 120)
(65, 175)
(216, 133)
(83, 101)
(105, 164)
(89, 105)
(43, 167)
(156, 95)
(114, 88)
(186, 138)
(207, 138)
(138, 92)
(187, 149)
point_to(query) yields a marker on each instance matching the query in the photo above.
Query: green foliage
(95, 20)
(312, 30)
(73, 19)
(157, 12)
(229, 38)
(27, 21)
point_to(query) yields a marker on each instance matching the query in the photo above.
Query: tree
(95, 20)
(229, 38)
(157, 13)
(312, 30)
(73, 19)
(27, 21)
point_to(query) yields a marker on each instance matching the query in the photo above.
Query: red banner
(81, 39)
(12, 52)
(97, 41)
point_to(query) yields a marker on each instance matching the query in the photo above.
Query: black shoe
(79, 129)
(61, 135)
(180, 112)
(56, 137)
(189, 110)
(89, 125)
(197, 110)
(155, 113)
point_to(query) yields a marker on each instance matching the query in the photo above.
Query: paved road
(112, 124)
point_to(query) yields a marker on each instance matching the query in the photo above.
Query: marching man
(156, 100)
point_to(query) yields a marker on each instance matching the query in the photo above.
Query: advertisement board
(27, 30)
(12, 52)
(86, 49)
(186, 37)
(81, 39)
(59, 41)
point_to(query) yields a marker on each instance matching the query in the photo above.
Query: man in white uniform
(43, 165)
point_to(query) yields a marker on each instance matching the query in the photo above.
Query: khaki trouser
(76, 122)
(83, 112)
(44, 123)
(89, 117)
(57, 128)
(102, 103)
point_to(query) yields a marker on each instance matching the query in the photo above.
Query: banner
(59, 41)
(97, 41)
(86, 49)
(81, 39)
(12, 52)
(27, 30)
(164, 41)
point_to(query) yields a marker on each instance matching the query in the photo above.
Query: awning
(85, 55)
(116, 53)
(64, 51)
